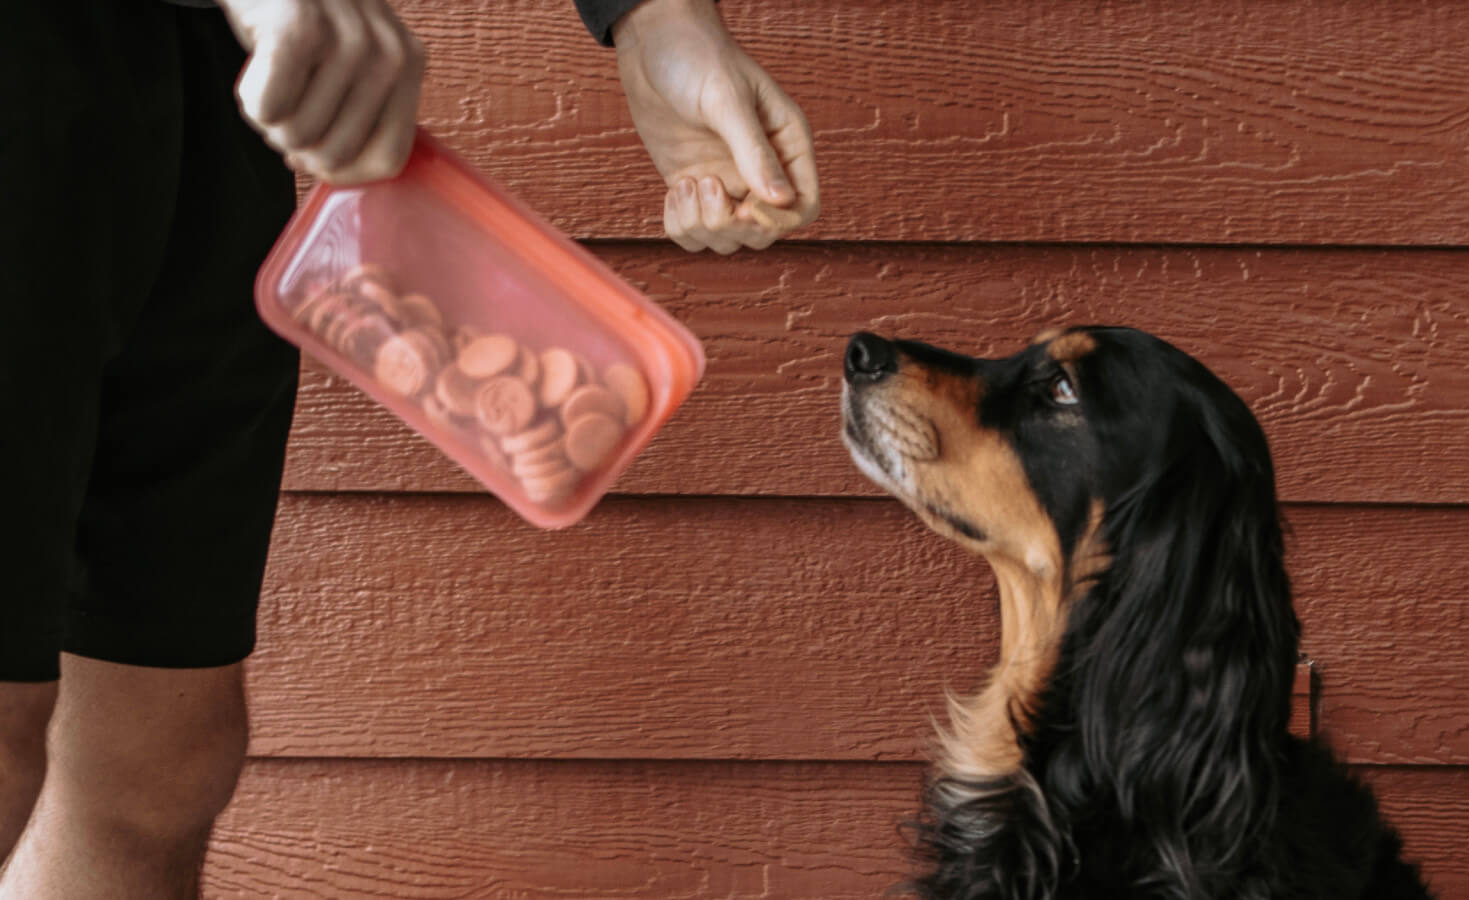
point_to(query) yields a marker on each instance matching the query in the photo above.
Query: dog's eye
(1063, 392)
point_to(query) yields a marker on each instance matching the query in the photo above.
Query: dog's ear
(1185, 651)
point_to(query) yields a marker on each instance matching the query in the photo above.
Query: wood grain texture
(424, 626)
(1430, 808)
(1354, 360)
(413, 830)
(423, 830)
(1237, 121)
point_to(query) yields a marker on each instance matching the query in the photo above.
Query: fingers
(386, 150)
(285, 51)
(770, 141)
(682, 218)
(791, 135)
(735, 117)
(700, 214)
(334, 85)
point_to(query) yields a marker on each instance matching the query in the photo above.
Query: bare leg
(141, 762)
(24, 711)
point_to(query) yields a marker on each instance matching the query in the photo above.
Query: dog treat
(554, 452)
(551, 487)
(630, 387)
(437, 412)
(529, 367)
(491, 450)
(362, 271)
(489, 355)
(591, 398)
(363, 335)
(532, 438)
(319, 311)
(543, 416)
(434, 338)
(591, 439)
(402, 365)
(417, 309)
(457, 391)
(559, 374)
(774, 217)
(505, 405)
(377, 293)
(541, 468)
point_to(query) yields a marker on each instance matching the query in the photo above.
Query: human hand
(734, 150)
(332, 84)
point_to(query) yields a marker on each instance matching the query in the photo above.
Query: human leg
(141, 761)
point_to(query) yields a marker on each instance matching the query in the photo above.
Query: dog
(1132, 741)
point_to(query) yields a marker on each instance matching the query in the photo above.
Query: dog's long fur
(1132, 742)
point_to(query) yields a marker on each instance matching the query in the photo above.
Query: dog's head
(1018, 458)
(1125, 498)
(1000, 455)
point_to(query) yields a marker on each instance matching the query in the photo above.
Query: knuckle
(298, 134)
(307, 31)
(290, 135)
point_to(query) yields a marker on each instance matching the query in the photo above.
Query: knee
(161, 783)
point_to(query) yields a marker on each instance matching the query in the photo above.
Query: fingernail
(706, 187)
(686, 189)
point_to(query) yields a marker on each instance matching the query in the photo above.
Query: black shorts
(144, 406)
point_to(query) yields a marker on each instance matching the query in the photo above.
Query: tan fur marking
(1090, 558)
(954, 469)
(1046, 336)
(1071, 346)
(982, 742)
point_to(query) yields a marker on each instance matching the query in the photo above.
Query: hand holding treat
(734, 149)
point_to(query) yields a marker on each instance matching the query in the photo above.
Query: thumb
(737, 122)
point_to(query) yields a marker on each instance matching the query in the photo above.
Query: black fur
(1158, 763)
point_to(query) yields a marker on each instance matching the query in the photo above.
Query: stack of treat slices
(543, 414)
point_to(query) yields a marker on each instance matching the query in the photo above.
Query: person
(147, 407)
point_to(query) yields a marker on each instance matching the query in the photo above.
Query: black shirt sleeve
(599, 16)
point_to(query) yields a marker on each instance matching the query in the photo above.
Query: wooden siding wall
(721, 684)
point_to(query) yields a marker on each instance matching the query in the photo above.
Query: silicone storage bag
(504, 343)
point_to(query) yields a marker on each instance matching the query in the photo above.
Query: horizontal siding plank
(427, 626)
(415, 830)
(1430, 807)
(1354, 360)
(1230, 122)
(422, 830)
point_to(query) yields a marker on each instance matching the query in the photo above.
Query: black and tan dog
(1132, 741)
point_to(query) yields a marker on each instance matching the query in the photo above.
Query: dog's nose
(870, 358)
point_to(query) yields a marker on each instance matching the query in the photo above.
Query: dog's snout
(870, 358)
